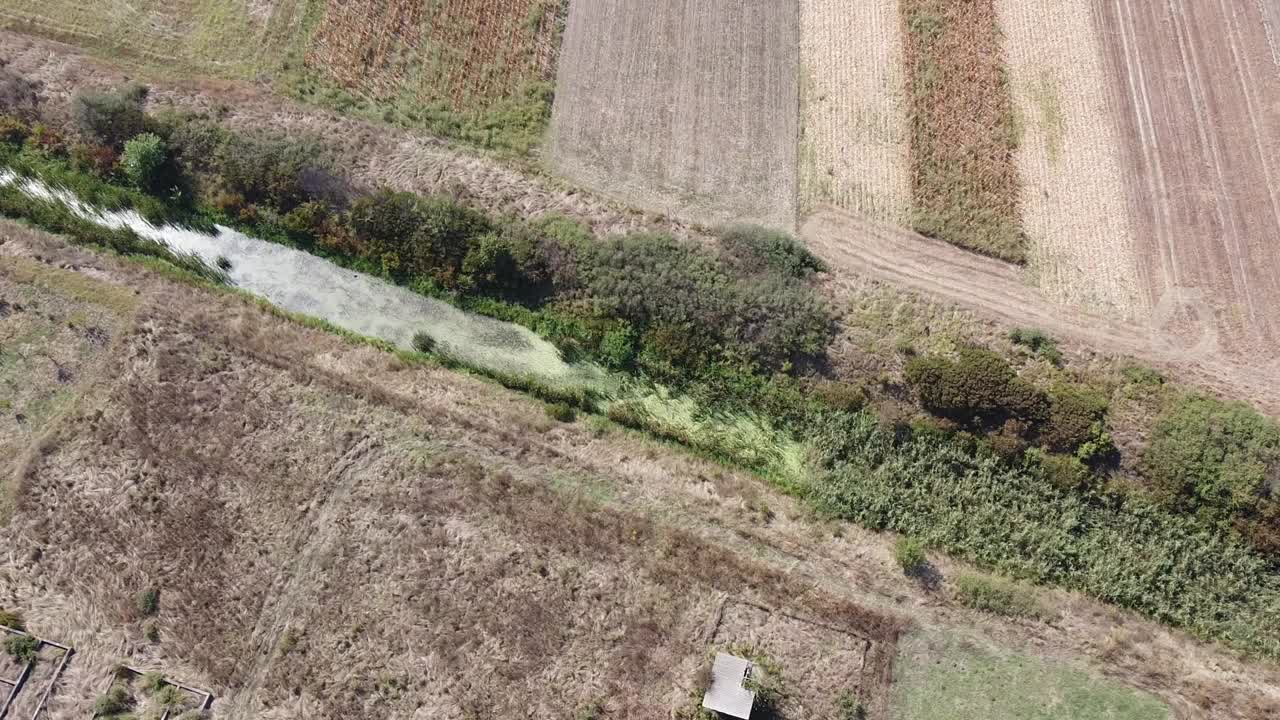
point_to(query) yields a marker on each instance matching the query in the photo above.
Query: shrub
(152, 682)
(562, 412)
(147, 602)
(977, 389)
(13, 130)
(849, 707)
(424, 342)
(19, 96)
(22, 648)
(840, 395)
(99, 160)
(1212, 457)
(143, 161)
(11, 619)
(910, 555)
(618, 346)
(755, 249)
(1064, 472)
(503, 262)
(1076, 416)
(998, 596)
(114, 701)
(111, 118)
(687, 306)
(1037, 342)
(169, 698)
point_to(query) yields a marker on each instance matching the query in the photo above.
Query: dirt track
(1001, 291)
(1196, 88)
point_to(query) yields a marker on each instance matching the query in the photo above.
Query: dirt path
(1001, 291)
(1197, 88)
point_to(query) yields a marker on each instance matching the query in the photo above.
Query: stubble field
(684, 109)
(1081, 248)
(853, 116)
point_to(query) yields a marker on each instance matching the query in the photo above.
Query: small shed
(728, 694)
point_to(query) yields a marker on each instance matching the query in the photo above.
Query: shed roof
(727, 694)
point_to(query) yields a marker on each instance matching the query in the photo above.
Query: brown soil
(688, 109)
(1196, 87)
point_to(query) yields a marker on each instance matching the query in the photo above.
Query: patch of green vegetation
(910, 555)
(1038, 343)
(999, 596)
(11, 619)
(941, 677)
(22, 648)
(1012, 519)
(1053, 121)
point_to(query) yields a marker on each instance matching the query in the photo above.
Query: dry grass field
(226, 38)
(1081, 246)
(685, 109)
(1196, 86)
(964, 178)
(853, 110)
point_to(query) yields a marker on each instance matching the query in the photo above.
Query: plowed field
(1197, 90)
(687, 109)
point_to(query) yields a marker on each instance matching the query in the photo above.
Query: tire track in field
(1195, 86)
(1000, 291)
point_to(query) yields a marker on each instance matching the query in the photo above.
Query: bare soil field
(853, 110)
(1197, 89)
(1081, 247)
(964, 179)
(335, 533)
(687, 109)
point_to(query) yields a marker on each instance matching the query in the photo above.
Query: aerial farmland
(590, 359)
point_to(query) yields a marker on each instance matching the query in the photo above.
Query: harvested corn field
(467, 53)
(1196, 86)
(964, 177)
(686, 109)
(1081, 249)
(853, 124)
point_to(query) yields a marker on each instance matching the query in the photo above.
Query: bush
(978, 389)
(910, 555)
(1212, 457)
(11, 619)
(12, 130)
(1077, 415)
(687, 307)
(1037, 342)
(19, 96)
(998, 596)
(562, 412)
(618, 347)
(147, 602)
(1065, 472)
(22, 648)
(114, 701)
(423, 343)
(143, 161)
(754, 249)
(111, 118)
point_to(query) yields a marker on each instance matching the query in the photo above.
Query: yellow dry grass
(1073, 205)
(853, 118)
